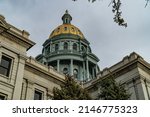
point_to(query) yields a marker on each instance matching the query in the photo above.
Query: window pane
(65, 28)
(65, 46)
(75, 72)
(2, 97)
(65, 71)
(3, 71)
(74, 46)
(5, 65)
(37, 95)
(5, 62)
(56, 47)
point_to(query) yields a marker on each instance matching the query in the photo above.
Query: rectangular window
(3, 96)
(38, 95)
(5, 66)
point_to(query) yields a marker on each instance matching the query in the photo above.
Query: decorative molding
(23, 42)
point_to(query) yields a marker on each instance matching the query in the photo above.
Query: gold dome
(66, 29)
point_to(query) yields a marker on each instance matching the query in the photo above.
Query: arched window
(83, 49)
(66, 20)
(56, 47)
(75, 46)
(65, 70)
(72, 29)
(65, 28)
(75, 73)
(58, 29)
(79, 32)
(47, 49)
(65, 46)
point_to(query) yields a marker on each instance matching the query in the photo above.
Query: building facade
(133, 72)
(22, 77)
(66, 51)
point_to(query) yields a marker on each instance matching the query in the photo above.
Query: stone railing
(127, 59)
(48, 69)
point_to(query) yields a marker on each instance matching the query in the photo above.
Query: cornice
(139, 62)
(16, 51)
(10, 32)
(18, 39)
(29, 64)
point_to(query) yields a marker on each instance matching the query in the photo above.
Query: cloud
(108, 41)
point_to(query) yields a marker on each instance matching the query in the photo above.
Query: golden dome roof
(66, 27)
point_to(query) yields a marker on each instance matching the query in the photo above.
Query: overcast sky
(108, 41)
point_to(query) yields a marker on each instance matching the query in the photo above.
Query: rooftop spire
(66, 12)
(66, 18)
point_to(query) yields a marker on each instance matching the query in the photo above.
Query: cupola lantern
(66, 18)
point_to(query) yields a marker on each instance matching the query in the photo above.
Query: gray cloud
(108, 41)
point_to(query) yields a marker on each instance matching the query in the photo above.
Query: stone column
(93, 69)
(96, 69)
(70, 46)
(49, 94)
(79, 45)
(50, 47)
(84, 71)
(0, 53)
(58, 62)
(71, 67)
(44, 52)
(30, 91)
(0, 56)
(87, 69)
(19, 79)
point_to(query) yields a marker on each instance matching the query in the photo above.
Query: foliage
(71, 90)
(116, 5)
(111, 90)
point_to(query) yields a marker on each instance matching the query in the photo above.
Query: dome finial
(66, 11)
(66, 18)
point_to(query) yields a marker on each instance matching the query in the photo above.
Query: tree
(111, 90)
(116, 9)
(71, 90)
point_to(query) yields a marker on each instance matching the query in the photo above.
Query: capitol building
(65, 52)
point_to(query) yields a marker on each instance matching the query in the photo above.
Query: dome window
(65, 46)
(65, 70)
(79, 32)
(56, 47)
(58, 29)
(72, 29)
(66, 21)
(75, 73)
(47, 49)
(83, 49)
(75, 46)
(65, 28)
